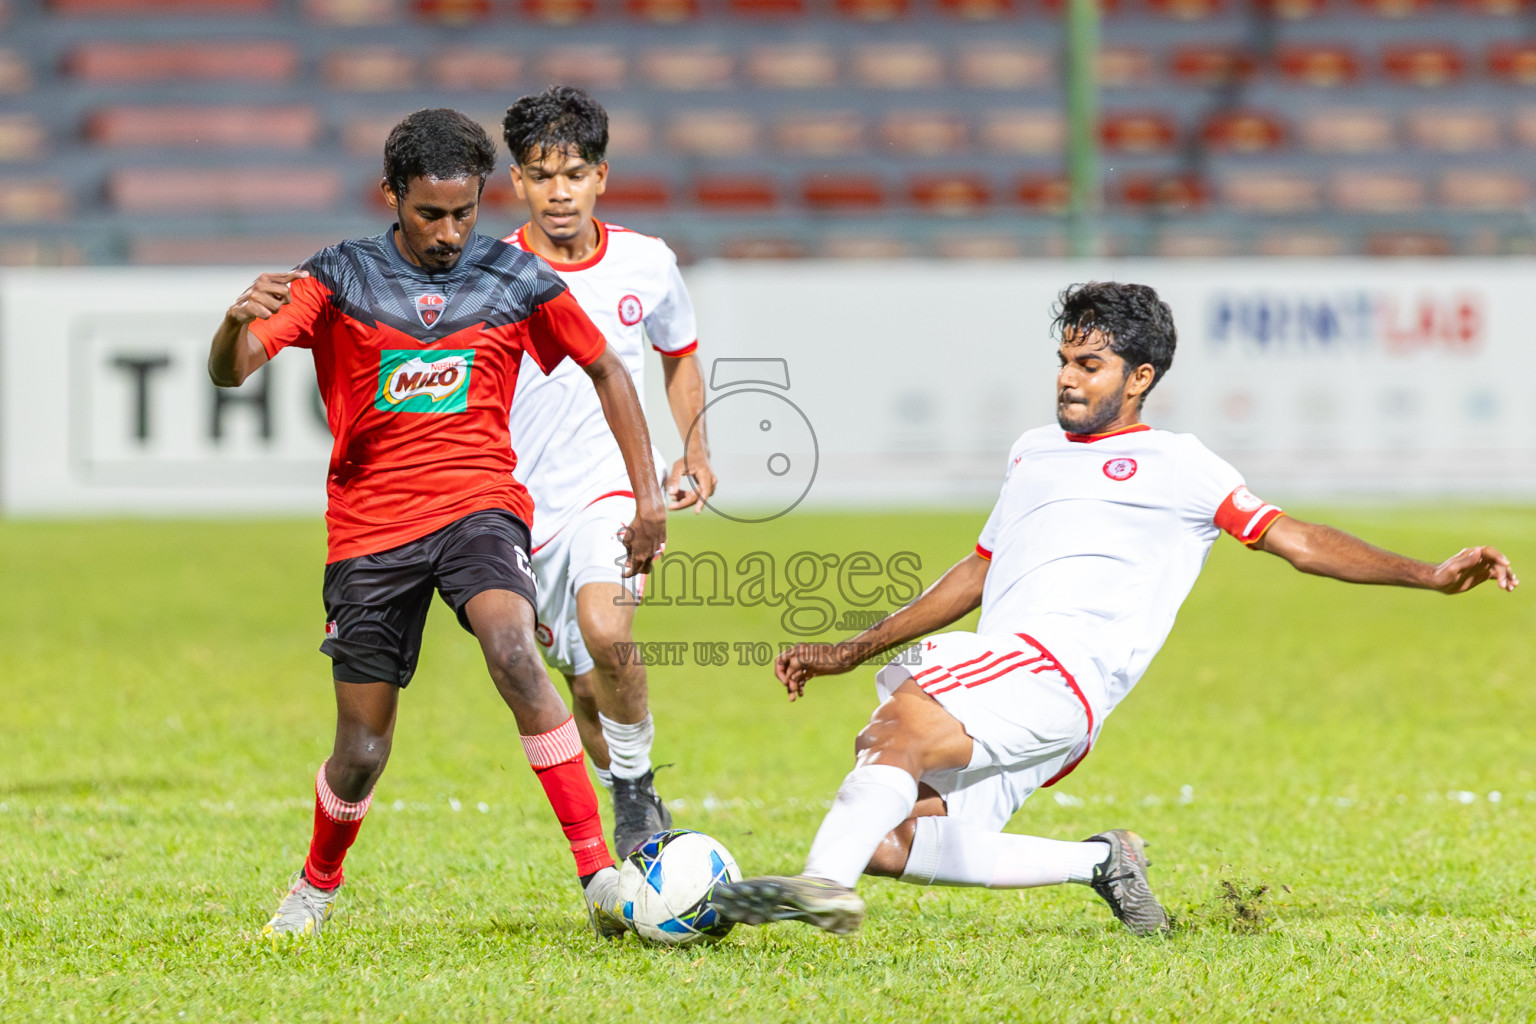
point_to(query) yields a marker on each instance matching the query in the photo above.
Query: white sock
(629, 746)
(871, 801)
(949, 852)
(604, 776)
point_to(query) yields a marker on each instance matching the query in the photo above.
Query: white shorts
(585, 550)
(1028, 721)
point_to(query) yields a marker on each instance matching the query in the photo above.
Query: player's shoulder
(628, 243)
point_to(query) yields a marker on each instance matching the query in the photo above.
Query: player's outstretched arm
(953, 595)
(685, 396)
(235, 354)
(1325, 551)
(647, 535)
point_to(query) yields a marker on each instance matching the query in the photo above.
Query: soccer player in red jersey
(417, 336)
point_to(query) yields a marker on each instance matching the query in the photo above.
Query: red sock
(336, 825)
(562, 769)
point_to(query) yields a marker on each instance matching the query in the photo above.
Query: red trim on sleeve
(1246, 517)
(678, 353)
(983, 552)
(1090, 438)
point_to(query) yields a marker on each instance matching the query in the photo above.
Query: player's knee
(512, 657)
(890, 857)
(356, 764)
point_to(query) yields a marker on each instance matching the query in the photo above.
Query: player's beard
(1083, 417)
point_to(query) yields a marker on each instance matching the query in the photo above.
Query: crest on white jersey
(1120, 469)
(630, 310)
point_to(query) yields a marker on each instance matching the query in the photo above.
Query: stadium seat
(15, 75)
(978, 10)
(1301, 243)
(246, 250)
(847, 193)
(39, 252)
(1167, 192)
(953, 195)
(352, 12)
(1361, 191)
(1317, 65)
(112, 63)
(1057, 6)
(971, 246)
(768, 8)
(1193, 245)
(1243, 131)
(1026, 132)
(1292, 10)
(1125, 67)
(1348, 130)
(160, 8)
(1497, 8)
(1044, 193)
(291, 127)
(1454, 130)
(484, 69)
(22, 137)
(251, 190)
(736, 192)
(924, 133)
(629, 133)
(1426, 65)
(26, 200)
(452, 12)
(1211, 66)
(1269, 192)
(1522, 126)
(686, 68)
(1408, 243)
(663, 12)
(637, 191)
(375, 69)
(723, 133)
(898, 66)
(763, 248)
(794, 66)
(865, 246)
(1139, 131)
(1396, 8)
(557, 12)
(1513, 63)
(591, 67)
(1186, 10)
(823, 133)
(1487, 191)
(1005, 66)
(363, 135)
(872, 10)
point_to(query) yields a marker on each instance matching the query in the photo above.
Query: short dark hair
(1137, 324)
(437, 143)
(558, 117)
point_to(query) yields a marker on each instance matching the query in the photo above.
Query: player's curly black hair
(1138, 324)
(558, 117)
(437, 143)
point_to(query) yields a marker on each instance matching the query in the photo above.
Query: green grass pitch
(1338, 784)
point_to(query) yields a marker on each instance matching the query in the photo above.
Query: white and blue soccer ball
(665, 886)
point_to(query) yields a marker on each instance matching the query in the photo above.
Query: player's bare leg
(605, 613)
(503, 622)
(584, 708)
(365, 729)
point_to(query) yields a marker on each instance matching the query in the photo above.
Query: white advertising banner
(832, 384)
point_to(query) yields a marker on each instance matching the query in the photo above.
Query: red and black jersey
(417, 370)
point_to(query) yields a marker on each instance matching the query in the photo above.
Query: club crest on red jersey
(1120, 469)
(630, 310)
(429, 308)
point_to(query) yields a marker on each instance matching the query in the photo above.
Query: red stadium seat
(478, 70)
(28, 200)
(1044, 193)
(1123, 67)
(1163, 191)
(823, 133)
(1497, 8)
(924, 133)
(1187, 10)
(686, 67)
(1301, 243)
(1005, 66)
(160, 8)
(898, 66)
(1396, 8)
(793, 66)
(1243, 131)
(1361, 191)
(1454, 130)
(1349, 130)
(1408, 243)
(843, 193)
(629, 133)
(244, 189)
(663, 12)
(1292, 10)
(1269, 192)
(872, 10)
(1210, 66)
(864, 246)
(1522, 126)
(1427, 65)
(1486, 191)
(22, 137)
(363, 135)
(376, 69)
(557, 12)
(736, 192)
(453, 12)
(979, 10)
(634, 191)
(762, 249)
(199, 127)
(247, 250)
(1139, 131)
(1033, 132)
(111, 63)
(724, 133)
(352, 12)
(591, 67)
(950, 194)
(1513, 63)
(1057, 6)
(1320, 66)
(768, 8)
(15, 75)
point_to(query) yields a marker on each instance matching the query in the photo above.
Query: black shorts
(376, 605)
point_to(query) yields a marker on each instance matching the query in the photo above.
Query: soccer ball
(665, 885)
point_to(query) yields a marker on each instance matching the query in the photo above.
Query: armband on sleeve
(1245, 516)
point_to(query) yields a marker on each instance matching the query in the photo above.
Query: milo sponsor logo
(412, 380)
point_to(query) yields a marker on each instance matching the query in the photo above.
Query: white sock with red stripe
(629, 746)
(949, 852)
(872, 800)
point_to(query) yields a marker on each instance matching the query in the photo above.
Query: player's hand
(696, 490)
(796, 666)
(267, 295)
(1471, 566)
(644, 541)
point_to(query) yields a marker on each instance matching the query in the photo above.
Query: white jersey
(1096, 542)
(566, 456)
